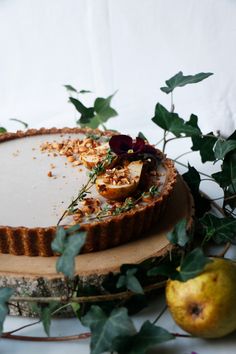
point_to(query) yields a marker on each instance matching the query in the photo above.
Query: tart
(42, 172)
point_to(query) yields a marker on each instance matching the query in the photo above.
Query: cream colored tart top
(37, 186)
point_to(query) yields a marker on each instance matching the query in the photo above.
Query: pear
(91, 158)
(120, 191)
(205, 306)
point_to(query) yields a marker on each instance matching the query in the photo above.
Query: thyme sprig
(98, 169)
(129, 204)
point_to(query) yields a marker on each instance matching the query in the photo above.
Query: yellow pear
(120, 191)
(205, 306)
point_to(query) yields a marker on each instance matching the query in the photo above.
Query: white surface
(130, 45)
(105, 45)
(72, 326)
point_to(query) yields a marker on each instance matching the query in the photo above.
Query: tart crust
(101, 235)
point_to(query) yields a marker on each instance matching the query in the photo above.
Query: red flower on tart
(124, 146)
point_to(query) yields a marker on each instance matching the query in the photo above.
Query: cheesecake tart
(116, 188)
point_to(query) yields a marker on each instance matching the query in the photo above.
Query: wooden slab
(37, 277)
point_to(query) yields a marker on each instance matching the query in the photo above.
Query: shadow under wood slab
(37, 277)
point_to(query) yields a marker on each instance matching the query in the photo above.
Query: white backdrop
(104, 45)
(129, 45)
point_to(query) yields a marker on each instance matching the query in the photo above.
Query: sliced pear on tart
(92, 157)
(120, 182)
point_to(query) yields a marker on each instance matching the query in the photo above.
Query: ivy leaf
(20, 121)
(142, 136)
(221, 230)
(84, 91)
(204, 144)
(46, 320)
(130, 282)
(148, 336)
(192, 178)
(69, 246)
(166, 269)
(46, 316)
(103, 111)
(45, 312)
(230, 197)
(106, 328)
(66, 262)
(179, 235)
(227, 176)
(70, 88)
(92, 117)
(86, 114)
(2, 130)
(223, 147)
(75, 307)
(232, 136)
(192, 265)
(193, 122)
(5, 294)
(180, 80)
(173, 123)
(58, 244)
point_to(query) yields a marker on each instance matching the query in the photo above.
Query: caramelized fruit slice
(119, 183)
(91, 158)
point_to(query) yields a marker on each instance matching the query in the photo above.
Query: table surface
(72, 326)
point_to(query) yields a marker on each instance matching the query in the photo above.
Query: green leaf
(205, 144)
(106, 328)
(142, 136)
(58, 244)
(46, 320)
(130, 282)
(66, 262)
(230, 196)
(192, 178)
(84, 91)
(45, 312)
(70, 88)
(192, 265)
(92, 117)
(221, 230)
(69, 245)
(5, 294)
(20, 121)
(148, 336)
(172, 122)
(75, 307)
(2, 130)
(86, 114)
(180, 80)
(232, 136)
(223, 147)
(166, 269)
(227, 176)
(179, 235)
(103, 111)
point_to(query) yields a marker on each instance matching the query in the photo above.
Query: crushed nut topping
(72, 149)
(117, 176)
(89, 206)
